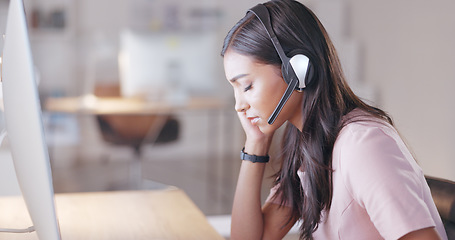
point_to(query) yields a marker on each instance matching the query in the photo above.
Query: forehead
(235, 64)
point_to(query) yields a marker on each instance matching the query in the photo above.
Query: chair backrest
(135, 130)
(443, 193)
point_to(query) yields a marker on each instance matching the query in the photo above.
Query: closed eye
(248, 87)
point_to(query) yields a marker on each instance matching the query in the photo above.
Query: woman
(345, 172)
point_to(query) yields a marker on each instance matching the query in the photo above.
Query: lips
(253, 120)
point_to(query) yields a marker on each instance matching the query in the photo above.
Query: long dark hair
(325, 101)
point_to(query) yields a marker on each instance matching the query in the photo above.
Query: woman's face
(257, 89)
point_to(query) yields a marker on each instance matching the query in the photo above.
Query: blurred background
(397, 55)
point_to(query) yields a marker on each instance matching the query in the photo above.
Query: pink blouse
(379, 191)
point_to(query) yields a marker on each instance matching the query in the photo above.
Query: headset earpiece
(301, 65)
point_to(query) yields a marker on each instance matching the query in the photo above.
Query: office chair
(135, 131)
(443, 193)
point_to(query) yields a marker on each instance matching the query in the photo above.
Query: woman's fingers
(257, 142)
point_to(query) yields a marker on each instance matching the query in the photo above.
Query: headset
(297, 70)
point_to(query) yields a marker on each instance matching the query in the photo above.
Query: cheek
(266, 97)
(261, 100)
(273, 92)
(277, 86)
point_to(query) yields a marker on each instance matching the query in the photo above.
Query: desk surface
(118, 105)
(135, 215)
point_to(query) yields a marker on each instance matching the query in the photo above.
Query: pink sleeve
(275, 199)
(383, 177)
(271, 198)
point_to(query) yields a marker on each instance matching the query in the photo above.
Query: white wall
(409, 55)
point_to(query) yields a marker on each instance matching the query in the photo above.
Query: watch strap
(253, 158)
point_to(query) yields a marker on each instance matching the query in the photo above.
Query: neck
(297, 118)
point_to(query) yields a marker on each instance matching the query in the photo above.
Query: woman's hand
(257, 142)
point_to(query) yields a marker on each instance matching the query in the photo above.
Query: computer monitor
(24, 125)
(158, 65)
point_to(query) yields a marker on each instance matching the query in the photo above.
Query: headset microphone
(283, 100)
(297, 71)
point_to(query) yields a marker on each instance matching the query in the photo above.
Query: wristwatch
(253, 158)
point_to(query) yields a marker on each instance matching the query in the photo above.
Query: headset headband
(262, 13)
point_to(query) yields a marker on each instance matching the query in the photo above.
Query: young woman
(345, 173)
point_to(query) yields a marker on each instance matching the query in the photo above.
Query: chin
(267, 128)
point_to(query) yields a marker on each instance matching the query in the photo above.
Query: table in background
(159, 214)
(213, 106)
(118, 105)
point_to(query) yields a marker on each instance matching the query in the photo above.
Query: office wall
(409, 57)
(85, 48)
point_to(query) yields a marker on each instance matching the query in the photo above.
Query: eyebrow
(232, 80)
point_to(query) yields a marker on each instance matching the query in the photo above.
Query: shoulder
(366, 135)
(371, 155)
(375, 166)
(369, 137)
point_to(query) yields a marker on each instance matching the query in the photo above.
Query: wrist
(259, 148)
(253, 158)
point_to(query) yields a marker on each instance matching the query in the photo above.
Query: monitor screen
(24, 125)
(158, 64)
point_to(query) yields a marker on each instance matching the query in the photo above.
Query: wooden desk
(117, 105)
(127, 215)
(213, 106)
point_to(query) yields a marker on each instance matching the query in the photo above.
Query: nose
(240, 104)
